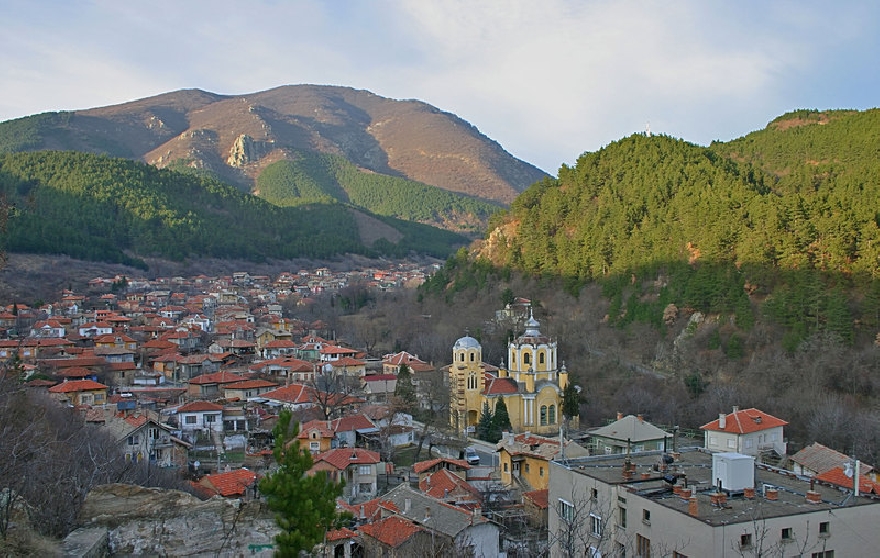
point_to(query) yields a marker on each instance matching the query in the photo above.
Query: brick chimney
(693, 507)
(619, 415)
(771, 493)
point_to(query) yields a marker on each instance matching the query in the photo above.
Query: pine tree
(405, 390)
(484, 425)
(570, 402)
(304, 505)
(500, 421)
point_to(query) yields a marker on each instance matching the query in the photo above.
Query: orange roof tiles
(539, 498)
(230, 483)
(76, 385)
(199, 406)
(838, 477)
(745, 421)
(341, 458)
(392, 531)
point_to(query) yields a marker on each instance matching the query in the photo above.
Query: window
(622, 500)
(364, 488)
(527, 467)
(364, 469)
(473, 355)
(527, 358)
(541, 472)
(314, 446)
(643, 546)
(566, 511)
(595, 525)
(594, 494)
(621, 517)
(189, 419)
(541, 358)
(787, 534)
(731, 443)
(646, 517)
(132, 440)
(462, 357)
(825, 554)
(745, 540)
(543, 415)
(748, 444)
(824, 529)
(505, 467)
(713, 441)
(552, 414)
(210, 418)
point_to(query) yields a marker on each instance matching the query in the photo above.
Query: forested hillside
(785, 221)
(115, 210)
(315, 177)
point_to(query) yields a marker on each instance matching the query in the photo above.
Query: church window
(512, 357)
(543, 415)
(472, 356)
(541, 358)
(462, 357)
(551, 414)
(526, 358)
(472, 381)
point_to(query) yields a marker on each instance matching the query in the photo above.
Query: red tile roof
(294, 393)
(76, 385)
(442, 483)
(392, 531)
(745, 421)
(838, 477)
(500, 386)
(341, 458)
(230, 483)
(538, 497)
(199, 406)
(248, 384)
(223, 377)
(423, 466)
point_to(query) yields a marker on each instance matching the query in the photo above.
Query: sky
(547, 79)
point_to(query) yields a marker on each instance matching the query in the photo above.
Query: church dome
(467, 342)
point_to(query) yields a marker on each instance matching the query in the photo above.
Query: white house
(747, 431)
(200, 415)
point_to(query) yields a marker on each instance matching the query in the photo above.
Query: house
(211, 385)
(656, 504)
(748, 431)
(450, 488)
(536, 507)
(458, 467)
(399, 537)
(295, 397)
(627, 434)
(79, 392)
(359, 468)
(141, 437)
(246, 389)
(467, 530)
(200, 416)
(317, 436)
(524, 458)
(816, 459)
(379, 387)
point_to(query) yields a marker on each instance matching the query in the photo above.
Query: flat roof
(696, 467)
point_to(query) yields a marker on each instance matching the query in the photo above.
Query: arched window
(512, 356)
(527, 358)
(472, 381)
(543, 415)
(552, 414)
(462, 357)
(473, 355)
(541, 357)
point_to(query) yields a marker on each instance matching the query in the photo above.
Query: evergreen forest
(99, 208)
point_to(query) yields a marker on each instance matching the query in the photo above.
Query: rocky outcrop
(167, 522)
(246, 150)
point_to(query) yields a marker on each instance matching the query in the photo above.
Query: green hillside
(785, 222)
(316, 177)
(115, 210)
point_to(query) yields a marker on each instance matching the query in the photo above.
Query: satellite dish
(848, 469)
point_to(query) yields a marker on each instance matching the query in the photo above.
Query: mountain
(237, 137)
(786, 219)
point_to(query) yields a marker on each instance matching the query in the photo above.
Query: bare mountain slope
(238, 136)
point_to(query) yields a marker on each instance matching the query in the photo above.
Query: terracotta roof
(294, 393)
(76, 372)
(223, 377)
(341, 458)
(819, 458)
(340, 534)
(76, 385)
(230, 483)
(443, 483)
(538, 497)
(745, 421)
(838, 477)
(392, 531)
(351, 422)
(379, 378)
(199, 406)
(247, 384)
(499, 386)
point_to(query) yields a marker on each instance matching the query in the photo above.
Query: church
(531, 386)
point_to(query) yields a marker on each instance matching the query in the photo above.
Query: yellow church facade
(531, 386)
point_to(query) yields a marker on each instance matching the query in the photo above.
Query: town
(456, 458)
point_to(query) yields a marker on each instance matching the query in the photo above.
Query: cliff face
(166, 522)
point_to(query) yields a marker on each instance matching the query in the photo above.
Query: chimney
(693, 507)
(619, 415)
(641, 419)
(749, 492)
(407, 503)
(363, 512)
(735, 409)
(771, 493)
(856, 473)
(722, 420)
